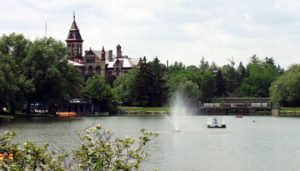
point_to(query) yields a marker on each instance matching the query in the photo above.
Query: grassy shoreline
(289, 112)
(144, 109)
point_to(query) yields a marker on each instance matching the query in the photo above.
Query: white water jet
(179, 110)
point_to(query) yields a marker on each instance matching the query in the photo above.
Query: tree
(203, 64)
(47, 68)
(13, 83)
(286, 89)
(123, 87)
(141, 84)
(230, 78)
(260, 76)
(241, 72)
(99, 92)
(254, 59)
(203, 82)
(177, 66)
(220, 85)
(157, 88)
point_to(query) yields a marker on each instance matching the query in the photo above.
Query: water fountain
(179, 110)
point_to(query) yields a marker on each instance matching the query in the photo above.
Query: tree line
(153, 83)
(38, 71)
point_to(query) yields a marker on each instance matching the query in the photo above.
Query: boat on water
(215, 123)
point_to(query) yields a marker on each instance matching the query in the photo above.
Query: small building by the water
(80, 106)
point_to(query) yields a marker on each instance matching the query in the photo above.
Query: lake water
(269, 143)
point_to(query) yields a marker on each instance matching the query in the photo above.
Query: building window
(90, 60)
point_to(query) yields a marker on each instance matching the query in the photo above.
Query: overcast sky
(174, 30)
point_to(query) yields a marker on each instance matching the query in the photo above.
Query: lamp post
(197, 93)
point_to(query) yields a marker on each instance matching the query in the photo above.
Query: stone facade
(93, 62)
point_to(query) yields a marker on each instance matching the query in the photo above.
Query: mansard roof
(125, 62)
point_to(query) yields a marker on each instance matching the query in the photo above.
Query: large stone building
(103, 62)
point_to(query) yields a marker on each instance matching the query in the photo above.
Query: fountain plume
(180, 108)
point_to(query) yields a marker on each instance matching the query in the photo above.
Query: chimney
(110, 55)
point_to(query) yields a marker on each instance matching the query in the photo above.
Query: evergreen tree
(141, 84)
(178, 66)
(241, 72)
(220, 85)
(254, 59)
(203, 65)
(157, 88)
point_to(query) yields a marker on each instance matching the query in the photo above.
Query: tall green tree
(47, 68)
(99, 92)
(13, 83)
(123, 88)
(203, 64)
(220, 86)
(157, 88)
(286, 89)
(260, 76)
(241, 72)
(142, 84)
(230, 77)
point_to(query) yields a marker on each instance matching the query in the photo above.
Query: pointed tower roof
(74, 33)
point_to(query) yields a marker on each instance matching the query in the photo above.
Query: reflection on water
(270, 143)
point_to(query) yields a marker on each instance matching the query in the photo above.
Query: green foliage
(13, 50)
(203, 65)
(157, 86)
(259, 78)
(35, 72)
(230, 78)
(141, 85)
(178, 66)
(27, 157)
(286, 89)
(189, 80)
(144, 86)
(123, 87)
(99, 92)
(47, 68)
(99, 151)
(220, 89)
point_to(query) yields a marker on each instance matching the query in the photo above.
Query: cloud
(174, 30)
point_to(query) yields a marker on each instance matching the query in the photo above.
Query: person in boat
(215, 121)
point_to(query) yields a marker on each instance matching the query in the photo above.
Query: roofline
(73, 40)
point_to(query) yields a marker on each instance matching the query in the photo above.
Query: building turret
(110, 55)
(119, 51)
(103, 54)
(74, 42)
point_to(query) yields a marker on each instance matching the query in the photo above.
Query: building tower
(119, 51)
(74, 42)
(103, 54)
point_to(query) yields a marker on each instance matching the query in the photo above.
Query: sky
(173, 30)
